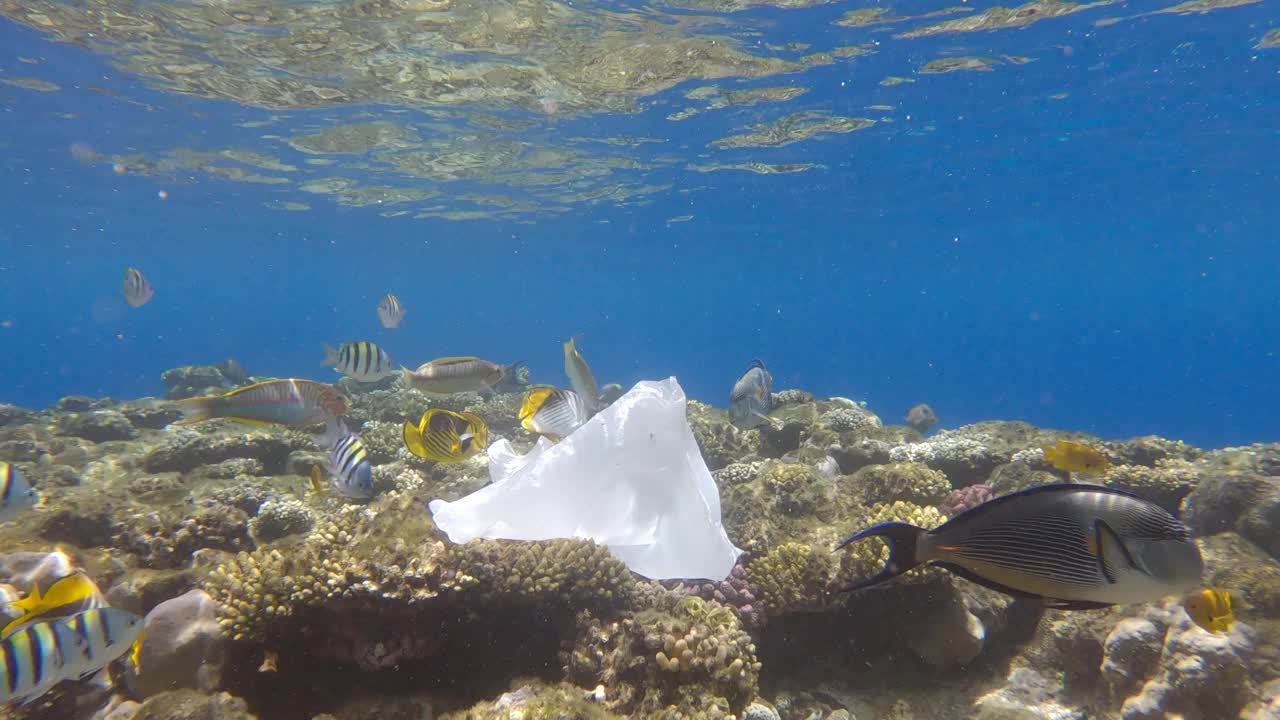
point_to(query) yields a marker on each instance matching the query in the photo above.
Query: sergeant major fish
(361, 361)
(284, 402)
(752, 397)
(36, 658)
(348, 462)
(390, 312)
(16, 494)
(107, 634)
(137, 291)
(1074, 546)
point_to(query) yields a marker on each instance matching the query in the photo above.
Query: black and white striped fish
(106, 633)
(36, 658)
(348, 462)
(390, 312)
(137, 291)
(361, 361)
(16, 494)
(1073, 546)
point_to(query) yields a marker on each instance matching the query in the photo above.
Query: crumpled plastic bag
(631, 478)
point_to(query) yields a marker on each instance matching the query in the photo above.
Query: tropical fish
(390, 312)
(348, 462)
(233, 371)
(361, 361)
(37, 658)
(1074, 546)
(283, 402)
(580, 377)
(446, 436)
(67, 595)
(443, 376)
(920, 418)
(1210, 609)
(552, 412)
(137, 291)
(752, 397)
(1075, 457)
(107, 634)
(16, 494)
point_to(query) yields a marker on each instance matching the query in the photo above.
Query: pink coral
(961, 499)
(735, 592)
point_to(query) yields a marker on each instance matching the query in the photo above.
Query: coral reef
(961, 499)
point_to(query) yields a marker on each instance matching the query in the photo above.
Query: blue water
(1102, 262)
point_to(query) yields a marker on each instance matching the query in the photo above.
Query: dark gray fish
(233, 371)
(137, 291)
(752, 397)
(1072, 545)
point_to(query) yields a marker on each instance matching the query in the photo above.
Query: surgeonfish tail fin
(901, 538)
(330, 356)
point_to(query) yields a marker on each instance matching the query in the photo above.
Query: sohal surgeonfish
(283, 402)
(390, 312)
(1074, 546)
(552, 412)
(361, 361)
(444, 376)
(446, 436)
(752, 397)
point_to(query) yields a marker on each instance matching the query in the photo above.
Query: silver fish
(137, 291)
(580, 377)
(348, 462)
(390, 312)
(752, 397)
(361, 361)
(107, 632)
(16, 494)
(1073, 546)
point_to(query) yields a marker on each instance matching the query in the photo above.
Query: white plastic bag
(631, 478)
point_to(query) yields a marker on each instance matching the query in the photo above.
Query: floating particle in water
(163, 194)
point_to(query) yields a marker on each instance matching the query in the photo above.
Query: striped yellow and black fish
(362, 361)
(446, 436)
(552, 412)
(390, 312)
(348, 462)
(107, 634)
(137, 291)
(36, 658)
(68, 595)
(1073, 546)
(1210, 609)
(444, 376)
(16, 494)
(282, 402)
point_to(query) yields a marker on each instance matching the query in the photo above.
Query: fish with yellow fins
(1210, 609)
(1076, 457)
(446, 436)
(448, 375)
(552, 412)
(292, 401)
(67, 595)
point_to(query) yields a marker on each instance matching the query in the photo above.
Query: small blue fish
(16, 494)
(348, 462)
(752, 397)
